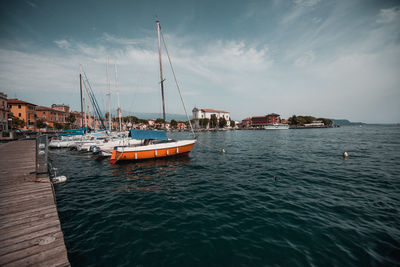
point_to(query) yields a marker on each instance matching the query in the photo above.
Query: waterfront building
(51, 116)
(206, 113)
(260, 121)
(3, 113)
(24, 111)
(61, 107)
(79, 119)
(245, 124)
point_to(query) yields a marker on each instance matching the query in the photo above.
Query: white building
(314, 124)
(207, 113)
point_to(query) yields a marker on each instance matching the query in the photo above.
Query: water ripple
(228, 209)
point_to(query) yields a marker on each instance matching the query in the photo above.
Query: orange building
(51, 115)
(79, 118)
(24, 111)
(62, 107)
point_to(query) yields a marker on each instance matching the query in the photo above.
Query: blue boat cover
(148, 134)
(72, 132)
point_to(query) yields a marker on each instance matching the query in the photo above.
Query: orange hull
(151, 154)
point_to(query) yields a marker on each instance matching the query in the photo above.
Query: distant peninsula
(343, 122)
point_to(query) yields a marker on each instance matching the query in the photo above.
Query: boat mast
(109, 98)
(161, 75)
(117, 89)
(80, 85)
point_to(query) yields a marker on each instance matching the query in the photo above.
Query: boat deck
(30, 230)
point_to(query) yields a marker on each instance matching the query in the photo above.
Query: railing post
(41, 154)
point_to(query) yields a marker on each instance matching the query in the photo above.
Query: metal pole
(109, 98)
(161, 75)
(117, 89)
(80, 85)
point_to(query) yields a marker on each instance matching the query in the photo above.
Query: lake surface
(227, 209)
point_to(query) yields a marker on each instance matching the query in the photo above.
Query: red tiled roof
(41, 108)
(213, 110)
(258, 117)
(17, 101)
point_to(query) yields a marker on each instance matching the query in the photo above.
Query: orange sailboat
(155, 144)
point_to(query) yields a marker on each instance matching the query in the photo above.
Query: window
(19, 106)
(19, 114)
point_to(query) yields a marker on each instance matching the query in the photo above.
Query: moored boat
(277, 126)
(156, 145)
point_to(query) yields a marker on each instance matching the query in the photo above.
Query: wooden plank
(19, 239)
(30, 230)
(19, 217)
(27, 244)
(26, 205)
(31, 250)
(39, 257)
(37, 219)
(29, 197)
(20, 193)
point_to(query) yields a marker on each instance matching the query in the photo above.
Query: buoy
(345, 155)
(59, 179)
(276, 178)
(222, 150)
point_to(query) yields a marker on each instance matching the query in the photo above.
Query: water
(227, 209)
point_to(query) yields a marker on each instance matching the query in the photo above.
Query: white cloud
(305, 59)
(389, 15)
(221, 66)
(63, 44)
(121, 41)
(306, 3)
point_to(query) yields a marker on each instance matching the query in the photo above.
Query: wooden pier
(30, 230)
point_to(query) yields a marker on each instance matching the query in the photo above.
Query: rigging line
(177, 85)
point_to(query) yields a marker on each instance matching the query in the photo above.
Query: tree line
(301, 120)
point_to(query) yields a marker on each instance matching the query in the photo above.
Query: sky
(332, 59)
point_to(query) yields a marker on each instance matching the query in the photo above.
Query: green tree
(213, 121)
(17, 123)
(159, 120)
(71, 118)
(327, 122)
(40, 124)
(58, 126)
(222, 122)
(204, 122)
(174, 124)
(293, 120)
(233, 124)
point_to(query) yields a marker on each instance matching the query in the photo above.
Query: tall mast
(87, 105)
(161, 76)
(109, 98)
(117, 89)
(80, 85)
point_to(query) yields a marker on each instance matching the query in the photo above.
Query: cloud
(121, 41)
(389, 15)
(305, 59)
(221, 66)
(63, 44)
(300, 8)
(31, 4)
(306, 3)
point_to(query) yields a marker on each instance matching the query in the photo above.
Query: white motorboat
(277, 126)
